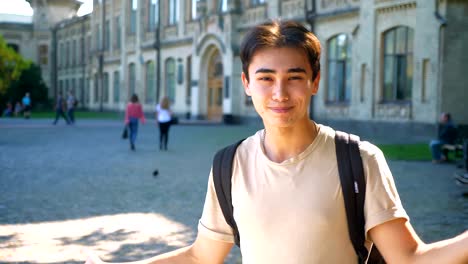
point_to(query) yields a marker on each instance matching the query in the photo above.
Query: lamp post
(101, 55)
(157, 46)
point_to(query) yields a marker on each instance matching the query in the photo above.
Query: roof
(11, 18)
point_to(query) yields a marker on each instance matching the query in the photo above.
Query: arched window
(170, 79)
(150, 83)
(116, 86)
(131, 79)
(339, 69)
(398, 64)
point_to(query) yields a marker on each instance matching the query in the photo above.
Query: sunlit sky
(21, 7)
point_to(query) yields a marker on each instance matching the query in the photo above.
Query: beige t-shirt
(293, 211)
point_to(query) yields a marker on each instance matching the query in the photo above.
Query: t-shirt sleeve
(212, 223)
(382, 202)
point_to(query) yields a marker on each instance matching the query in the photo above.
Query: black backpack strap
(353, 186)
(222, 173)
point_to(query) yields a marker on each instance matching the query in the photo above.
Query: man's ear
(315, 84)
(245, 82)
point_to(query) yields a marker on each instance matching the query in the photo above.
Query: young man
(286, 191)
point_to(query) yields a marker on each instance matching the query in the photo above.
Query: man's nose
(280, 91)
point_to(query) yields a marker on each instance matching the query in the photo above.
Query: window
(188, 84)
(107, 35)
(117, 33)
(62, 55)
(97, 38)
(60, 86)
(88, 47)
(339, 69)
(398, 64)
(67, 54)
(150, 82)
(105, 90)
(133, 16)
(170, 79)
(131, 79)
(43, 54)
(80, 92)
(72, 85)
(223, 6)
(116, 87)
(153, 15)
(193, 4)
(96, 88)
(80, 51)
(73, 52)
(173, 12)
(256, 2)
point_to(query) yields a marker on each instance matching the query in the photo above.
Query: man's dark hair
(279, 34)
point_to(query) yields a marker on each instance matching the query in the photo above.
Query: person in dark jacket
(60, 109)
(447, 135)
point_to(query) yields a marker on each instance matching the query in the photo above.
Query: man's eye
(264, 79)
(295, 78)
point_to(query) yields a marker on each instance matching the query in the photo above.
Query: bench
(457, 147)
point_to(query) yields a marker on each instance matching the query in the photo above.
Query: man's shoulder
(247, 144)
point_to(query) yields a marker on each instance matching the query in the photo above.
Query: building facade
(383, 61)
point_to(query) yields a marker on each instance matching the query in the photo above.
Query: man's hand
(93, 259)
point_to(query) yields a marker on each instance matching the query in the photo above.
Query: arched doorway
(215, 87)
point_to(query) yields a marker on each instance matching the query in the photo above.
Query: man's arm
(398, 243)
(203, 251)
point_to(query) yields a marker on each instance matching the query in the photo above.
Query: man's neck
(281, 144)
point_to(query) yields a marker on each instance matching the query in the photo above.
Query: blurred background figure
(26, 106)
(133, 113)
(8, 112)
(71, 101)
(163, 119)
(447, 134)
(18, 109)
(60, 109)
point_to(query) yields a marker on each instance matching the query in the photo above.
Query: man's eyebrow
(298, 69)
(292, 70)
(264, 70)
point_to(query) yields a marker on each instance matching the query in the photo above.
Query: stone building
(383, 62)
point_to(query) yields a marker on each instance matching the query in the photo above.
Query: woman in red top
(133, 113)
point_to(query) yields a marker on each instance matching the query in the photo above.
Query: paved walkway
(67, 189)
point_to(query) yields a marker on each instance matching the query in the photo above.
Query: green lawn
(407, 151)
(81, 115)
(419, 152)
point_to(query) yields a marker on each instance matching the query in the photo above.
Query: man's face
(281, 85)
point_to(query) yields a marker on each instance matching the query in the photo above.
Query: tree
(30, 82)
(11, 66)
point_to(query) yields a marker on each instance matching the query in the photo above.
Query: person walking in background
(26, 106)
(133, 113)
(18, 109)
(60, 109)
(8, 112)
(163, 118)
(447, 134)
(71, 107)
